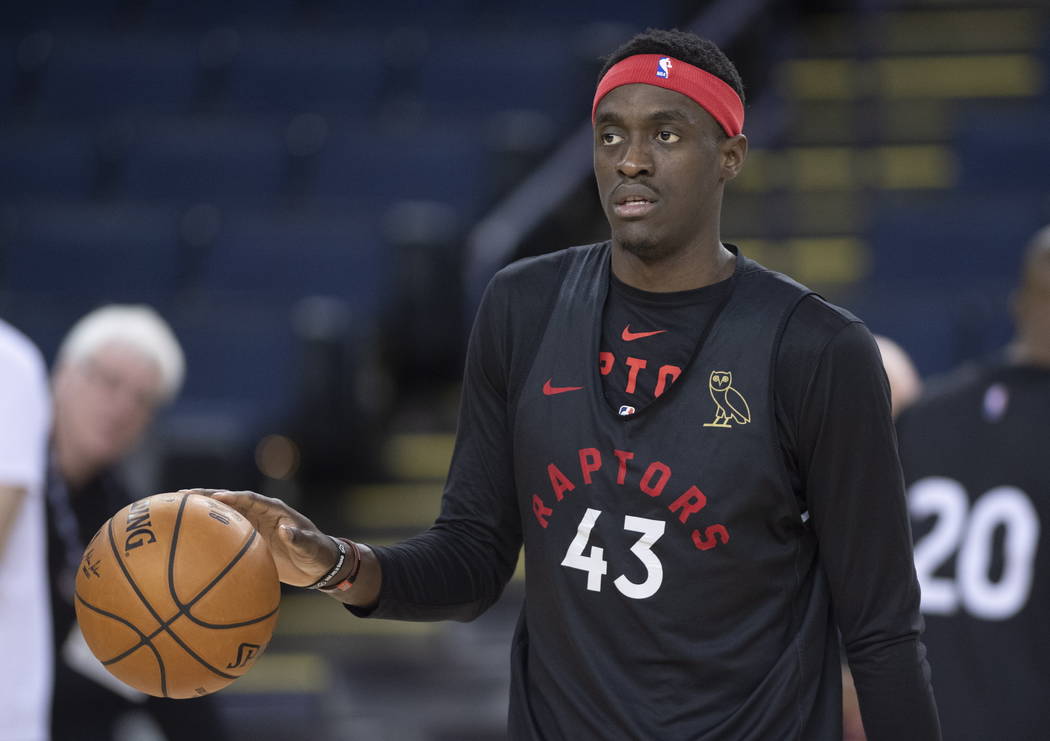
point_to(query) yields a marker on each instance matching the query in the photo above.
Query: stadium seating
(116, 252)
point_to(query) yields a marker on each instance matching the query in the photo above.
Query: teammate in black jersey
(696, 453)
(974, 453)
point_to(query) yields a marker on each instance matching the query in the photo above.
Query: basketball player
(696, 453)
(117, 366)
(25, 646)
(974, 453)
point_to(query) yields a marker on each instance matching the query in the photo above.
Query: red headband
(711, 93)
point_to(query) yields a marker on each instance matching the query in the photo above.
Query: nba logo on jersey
(996, 400)
(625, 410)
(663, 67)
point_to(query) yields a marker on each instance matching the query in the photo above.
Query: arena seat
(95, 75)
(472, 73)
(436, 159)
(242, 357)
(194, 159)
(320, 73)
(936, 238)
(46, 160)
(1005, 147)
(278, 259)
(109, 252)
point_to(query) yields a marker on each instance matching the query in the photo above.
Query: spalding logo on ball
(177, 595)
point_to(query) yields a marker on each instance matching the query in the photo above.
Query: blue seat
(440, 159)
(942, 237)
(119, 252)
(1005, 147)
(526, 15)
(240, 357)
(32, 16)
(917, 320)
(282, 258)
(315, 73)
(46, 160)
(103, 75)
(940, 325)
(461, 16)
(378, 15)
(488, 71)
(8, 74)
(206, 159)
(44, 320)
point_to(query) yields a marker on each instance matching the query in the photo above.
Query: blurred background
(314, 193)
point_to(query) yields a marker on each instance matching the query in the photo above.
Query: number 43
(596, 566)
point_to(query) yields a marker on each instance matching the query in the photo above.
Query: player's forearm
(449, 572)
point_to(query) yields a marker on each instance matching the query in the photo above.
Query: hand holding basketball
(302, 553)
(177, 595)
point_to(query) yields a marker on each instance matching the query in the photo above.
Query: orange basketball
(177, 595)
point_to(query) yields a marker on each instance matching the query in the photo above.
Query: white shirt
(25, 611)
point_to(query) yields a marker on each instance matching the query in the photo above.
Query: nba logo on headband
(713, 94)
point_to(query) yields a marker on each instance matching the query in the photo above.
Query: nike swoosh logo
(629, 336)
(549, 390)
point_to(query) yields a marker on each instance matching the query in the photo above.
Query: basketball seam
(184, 607)
(156, 616)
(135, 588)
(143, 641)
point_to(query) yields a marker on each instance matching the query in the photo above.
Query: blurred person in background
(114, 370)
(696, 453)
(25, 644)
(974, 451)
(904, 380)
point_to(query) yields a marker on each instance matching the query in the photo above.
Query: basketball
(177, 595)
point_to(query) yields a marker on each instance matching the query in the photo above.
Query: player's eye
(609, 138)
(668, 137)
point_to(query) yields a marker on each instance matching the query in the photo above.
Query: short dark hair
(683, 45)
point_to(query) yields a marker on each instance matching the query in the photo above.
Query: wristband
(324, 580)
(348, 582)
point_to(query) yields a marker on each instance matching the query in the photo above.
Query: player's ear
(734, 152)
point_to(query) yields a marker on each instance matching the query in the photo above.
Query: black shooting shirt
(687, 561)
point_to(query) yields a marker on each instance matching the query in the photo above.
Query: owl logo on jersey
(663, 68)
(730, 405)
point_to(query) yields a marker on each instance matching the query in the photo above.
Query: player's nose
(636, 161)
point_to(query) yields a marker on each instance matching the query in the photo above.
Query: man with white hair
(114, 370)
(25, 651)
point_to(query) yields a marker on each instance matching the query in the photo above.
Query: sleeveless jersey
(667, 558)
(974, 457)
